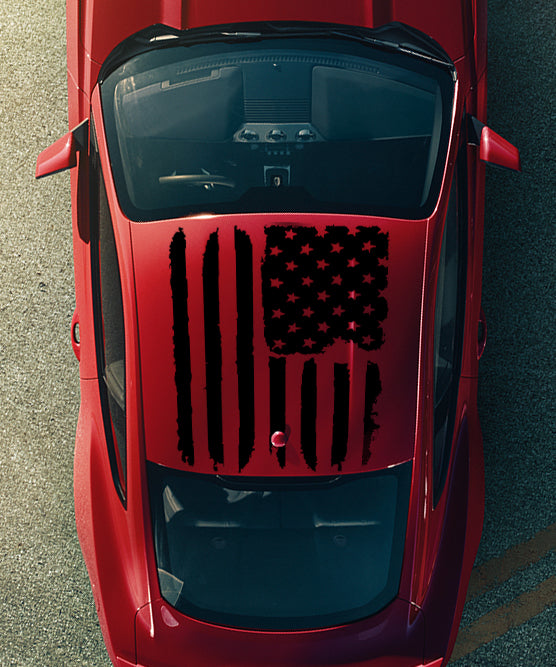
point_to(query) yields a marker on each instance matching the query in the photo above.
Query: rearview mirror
(62, 154)
(493, 148)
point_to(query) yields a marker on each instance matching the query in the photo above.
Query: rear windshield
(305, 124)
(286, 554)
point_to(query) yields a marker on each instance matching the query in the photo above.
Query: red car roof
(202, 335)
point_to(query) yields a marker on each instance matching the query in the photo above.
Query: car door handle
(75, 339)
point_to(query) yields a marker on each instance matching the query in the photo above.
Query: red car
(278, 222)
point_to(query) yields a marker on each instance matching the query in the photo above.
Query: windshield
(279, 554)
(305, 124)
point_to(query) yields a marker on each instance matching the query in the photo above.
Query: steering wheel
(198, 179)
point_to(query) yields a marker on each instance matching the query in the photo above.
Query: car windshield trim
(279, 554)
(395, 36)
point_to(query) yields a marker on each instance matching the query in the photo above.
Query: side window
(109, 322)
(448, 325)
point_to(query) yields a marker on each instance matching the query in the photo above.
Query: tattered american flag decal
(288, 307)
(323, 285)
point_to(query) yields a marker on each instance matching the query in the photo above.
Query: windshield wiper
(400, 39)
(162, 36)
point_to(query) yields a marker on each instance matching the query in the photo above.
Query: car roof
(344, 403)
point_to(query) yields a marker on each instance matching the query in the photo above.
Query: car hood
(279, 344)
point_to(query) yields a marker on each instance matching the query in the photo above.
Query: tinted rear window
(284, 554)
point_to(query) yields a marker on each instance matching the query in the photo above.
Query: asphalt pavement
(47, 614)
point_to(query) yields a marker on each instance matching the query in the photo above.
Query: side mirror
(493, 148)
(62, 154)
